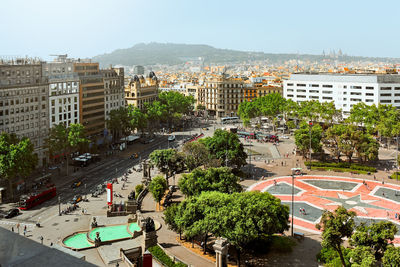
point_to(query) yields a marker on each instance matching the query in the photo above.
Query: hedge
(160, 255)
(341, 165)
(338, 170)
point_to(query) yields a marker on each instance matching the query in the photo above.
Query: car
(12, 213)
(76, 199)
(171, 138)
(205, 128)
(76, 184)
(284, 137)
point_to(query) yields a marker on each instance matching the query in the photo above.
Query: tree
(302, 138)
(333, 138)
(391, 258)
(176, 105)
(171, 215)
(65, 140)
(162, 159)
(155, 112)
(225, 145)
(213, 179)
(119, 122)
(335, 227)
(196, 154)
(362, 256)
(17, 158)
(375, 236)
(138, 119)
(157, 188)
(138, 189)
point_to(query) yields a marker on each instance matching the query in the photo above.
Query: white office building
(63, 92)
(345, 90)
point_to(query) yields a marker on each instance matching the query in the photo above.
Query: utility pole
(59, 205)
(292, 203)
(311, 124)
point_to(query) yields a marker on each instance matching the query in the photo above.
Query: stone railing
(141, 197)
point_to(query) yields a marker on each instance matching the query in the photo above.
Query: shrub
(342, 165)
(282, 243)
(160, 255)
(393, 176)
(138, 189)
(331, 258)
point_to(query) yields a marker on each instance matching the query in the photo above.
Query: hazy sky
(86, 28)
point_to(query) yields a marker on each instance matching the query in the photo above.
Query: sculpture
(149, 225)
(94, 223)
(132, 195)
(97, 240)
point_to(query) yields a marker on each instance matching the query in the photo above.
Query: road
(105, 171)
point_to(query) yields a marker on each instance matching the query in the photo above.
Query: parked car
(12, 213)
(171, 138)
(76, 199)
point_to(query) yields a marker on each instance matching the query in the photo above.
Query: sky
(85, 28)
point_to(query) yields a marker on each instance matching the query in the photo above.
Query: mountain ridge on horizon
(172, 54)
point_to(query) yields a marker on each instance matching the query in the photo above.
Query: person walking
(25, 230)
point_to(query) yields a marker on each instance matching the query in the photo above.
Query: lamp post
(292, 203)
(311, 124)
(59, 205)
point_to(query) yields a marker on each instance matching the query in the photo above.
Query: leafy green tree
(119, 122)
(362, 256)
(391, 258)
(291, 125)
(157, 188)
(213, 179)
(329, 114)
(376, 236)
(66, 140)
(176, 105)
(248, 110)
(196, 154)
(226, 145)
(138, 189)
(168, 161)
(17, 158)
(138, 118)
(155, 113)
(333, 138)
(302, 138)
(335, 227)
(171, 215)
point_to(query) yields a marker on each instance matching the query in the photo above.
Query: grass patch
(160, 255)
(253, 152)
(338, 170)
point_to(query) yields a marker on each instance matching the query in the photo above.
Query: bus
(247, 135)
(230, 120)
(29, 201)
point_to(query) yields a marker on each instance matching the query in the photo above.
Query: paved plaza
(372, 201)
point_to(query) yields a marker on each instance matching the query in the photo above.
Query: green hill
(171, 54)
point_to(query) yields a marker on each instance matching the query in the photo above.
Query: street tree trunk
(11, 188)
(341, 256)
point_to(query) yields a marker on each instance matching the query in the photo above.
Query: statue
(132, 195)
(94, 223)
(149, 225)
(97, 240)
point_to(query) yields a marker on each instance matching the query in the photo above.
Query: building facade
(140, 90)
(345, 90)
(63, 92)
(114, 94)
(91, 98)
(24, 95)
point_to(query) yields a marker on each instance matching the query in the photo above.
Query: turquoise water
(107, 233)
(78, 241)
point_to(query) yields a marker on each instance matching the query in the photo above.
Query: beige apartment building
(114, 93)
(24, 95)
(140, 90)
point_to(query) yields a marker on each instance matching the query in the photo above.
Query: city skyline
(89, 28)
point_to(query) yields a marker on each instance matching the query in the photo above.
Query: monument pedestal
(221, 250)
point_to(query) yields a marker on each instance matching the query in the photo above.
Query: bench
(298, 235)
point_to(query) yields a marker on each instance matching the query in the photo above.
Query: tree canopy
(17, 158)
(226, 145)
(212, 179)
(167, 161)
(157, 188)
(196, 154)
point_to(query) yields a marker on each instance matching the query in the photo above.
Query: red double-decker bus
(29, 201)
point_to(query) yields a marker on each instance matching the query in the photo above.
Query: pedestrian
(12, 228)
(395, 216)
(383, 182)
(83, 211)
(383, 194)
(25, 230)
(301, 211)
(18, 227)
(374, 177)
(304, 211)
(275, 183)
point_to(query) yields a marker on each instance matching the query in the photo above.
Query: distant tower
(323, 53)
(340, 53)
(138, 70)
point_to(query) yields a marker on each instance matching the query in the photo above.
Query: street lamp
(59, 205)
(311, 124)
(292, 203)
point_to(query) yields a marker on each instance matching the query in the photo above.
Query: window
(290, 90)
(290, 84)
(355, 99)
(327, 86)
(369, 94)
(327, 92)
(314, 97)
(386, 88)
(314, 91)
(386, 94)
(353, 93)
(355, 87)
(327, 98)
(301, 96)
(386, 101)
(397, 88)
(289, 95)
(301, 90)
(369, 87)
(301, 85)
(314, 85)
